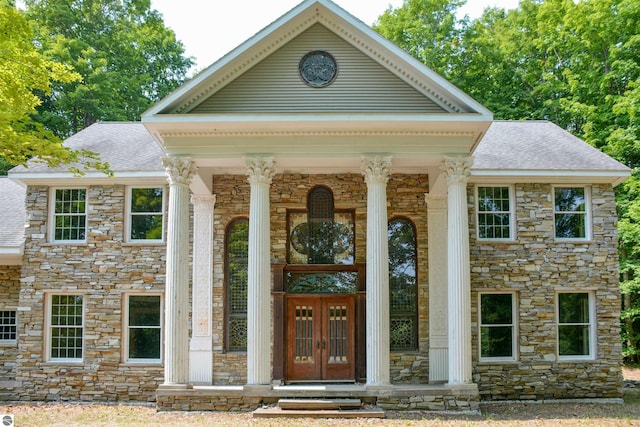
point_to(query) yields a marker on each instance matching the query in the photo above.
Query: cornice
(323, 133)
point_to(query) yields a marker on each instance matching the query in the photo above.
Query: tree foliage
(126, 56)
(26, 72)
(576, 63)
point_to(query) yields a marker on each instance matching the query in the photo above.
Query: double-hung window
(69, 214)
(575, 325)
(495, 213)
(66, 328)
(571, 213)
(497, 326)
(146, 219)
(143, 328)
(8, 327)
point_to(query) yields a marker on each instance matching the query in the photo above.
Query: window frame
(511, 212)
(587, 214)
(14, 341)
(228, 314)
(126, 328)
(53, 215)
(415, 314)
(129, 214)
(592, 326)
(49, 327)
(514, 327)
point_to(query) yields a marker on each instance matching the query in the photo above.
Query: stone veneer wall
(289, 191)
(10, 292)
(535, 266)
(103, 269)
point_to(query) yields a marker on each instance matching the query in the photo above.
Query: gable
(274, 85)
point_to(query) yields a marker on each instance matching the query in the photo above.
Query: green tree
(24, 73)
(127, 58)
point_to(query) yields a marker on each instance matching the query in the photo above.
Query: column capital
(260, 170)
(203, 202)
(457, 169)
(179, 170)
(376, 169)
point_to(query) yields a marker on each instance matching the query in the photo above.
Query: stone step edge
(332, 413)
(310, 404)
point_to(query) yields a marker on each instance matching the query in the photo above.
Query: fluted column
(376, 175)
(457, 172)
(201, 344)
(260, 172)
(179, 171)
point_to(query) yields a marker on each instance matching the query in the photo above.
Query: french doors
(320, 338)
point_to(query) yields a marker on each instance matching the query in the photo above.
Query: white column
(437, 232)
(376, 175)
(201, 344)
(260, 171)
(457, 172)
(179, 171)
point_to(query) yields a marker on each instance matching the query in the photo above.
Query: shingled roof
(12, 220)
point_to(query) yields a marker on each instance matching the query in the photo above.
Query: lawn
(492, 414)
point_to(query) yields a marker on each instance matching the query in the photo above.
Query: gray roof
(538, 145)
(12, 213)
(126, 146)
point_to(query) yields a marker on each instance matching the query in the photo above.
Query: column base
(256, 389)
(463, 388)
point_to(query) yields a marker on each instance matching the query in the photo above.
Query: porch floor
(436, 397)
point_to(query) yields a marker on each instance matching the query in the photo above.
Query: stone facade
(534, 266)
(103, 269)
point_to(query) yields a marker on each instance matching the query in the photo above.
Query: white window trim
(128, 221)
(52, 215)
(125, 329)
(587, 209)
(48, 326)
(512, 213)
(14, 342)
(514, 324)
(592, 326)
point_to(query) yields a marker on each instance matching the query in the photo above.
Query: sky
(211, 28)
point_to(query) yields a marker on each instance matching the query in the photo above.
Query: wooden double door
(320, 338)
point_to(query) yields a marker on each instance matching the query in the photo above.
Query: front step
(319, 404)
(319, 408)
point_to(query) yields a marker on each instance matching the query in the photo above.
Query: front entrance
(320, 338)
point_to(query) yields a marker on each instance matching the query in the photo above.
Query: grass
(507, 414)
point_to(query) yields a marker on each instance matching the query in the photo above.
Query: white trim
(51, 217)
(47, 327)
(548, 176)
(592, 326)
(587, 214)
(13, 342)
(512, 213)
(514, 326)
(125, 329)
(128, 215)
(90, 178)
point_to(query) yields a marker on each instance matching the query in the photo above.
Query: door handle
(318, 345)
(324, 344)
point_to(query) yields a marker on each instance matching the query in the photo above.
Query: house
(317, 207)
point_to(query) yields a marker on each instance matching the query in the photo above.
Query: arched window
(403, 289)
(236, 286)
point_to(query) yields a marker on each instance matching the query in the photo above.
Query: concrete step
(319, 404)
(276, 412)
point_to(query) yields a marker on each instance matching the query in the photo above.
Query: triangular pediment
(275, 85)
(262, 74)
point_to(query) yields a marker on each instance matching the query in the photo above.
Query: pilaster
(179, 172)
(201, 344)
(376, 175)
(437, 247)
(457, 171)
(260, 172)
